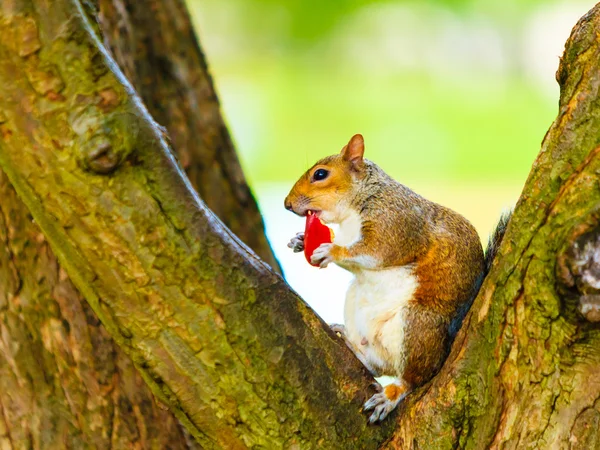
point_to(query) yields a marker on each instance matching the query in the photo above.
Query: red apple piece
(315, 234)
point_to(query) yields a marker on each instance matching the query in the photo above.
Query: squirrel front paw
(322, 256)
(297, 242)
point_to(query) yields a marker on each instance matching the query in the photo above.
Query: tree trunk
(220, 338)
(63, 380)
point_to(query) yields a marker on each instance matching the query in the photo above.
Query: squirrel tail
(495, 240)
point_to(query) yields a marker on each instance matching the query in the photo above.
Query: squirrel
(417, 268)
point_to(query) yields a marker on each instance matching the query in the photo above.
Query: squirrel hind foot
(338, 328)
(384, 402)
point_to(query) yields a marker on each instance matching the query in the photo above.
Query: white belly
(374, 315)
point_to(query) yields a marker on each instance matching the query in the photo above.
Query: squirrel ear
(354, 151)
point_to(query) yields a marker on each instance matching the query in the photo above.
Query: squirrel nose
(288, 205)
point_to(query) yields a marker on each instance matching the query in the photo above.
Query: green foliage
(414, 126)
(297, 79)
(308, 21)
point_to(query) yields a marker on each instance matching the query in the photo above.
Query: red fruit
(315, 234)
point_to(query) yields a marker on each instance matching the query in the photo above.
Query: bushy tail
(495, 240)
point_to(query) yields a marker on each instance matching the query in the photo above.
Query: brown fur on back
(448, 258)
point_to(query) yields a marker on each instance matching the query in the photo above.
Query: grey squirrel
(417, 267)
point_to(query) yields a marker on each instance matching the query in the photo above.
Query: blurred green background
(453, 97)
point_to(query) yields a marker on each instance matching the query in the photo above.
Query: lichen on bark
(213, 331)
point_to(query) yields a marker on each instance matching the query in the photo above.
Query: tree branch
(169, 72)
(63, 381)
(217, 336)
(43, 297)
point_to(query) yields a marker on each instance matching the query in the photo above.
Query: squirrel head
(324, 188)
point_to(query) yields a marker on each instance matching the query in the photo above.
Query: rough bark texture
(221, 339)
(213, 331)
(168, 70)
(63, 381)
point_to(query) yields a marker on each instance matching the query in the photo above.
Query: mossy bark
(64, 383)
(217, 335)
(169, 72)
(223, 341)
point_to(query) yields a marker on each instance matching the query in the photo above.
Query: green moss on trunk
(215, 333)
(170, 73)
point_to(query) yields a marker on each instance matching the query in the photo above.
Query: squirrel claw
(297, 243)
(338, 328)
(378, 387)
(381, 406)
(322, 255)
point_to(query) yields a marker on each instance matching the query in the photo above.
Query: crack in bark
(555, 398)
(6, 427)
(567, 184)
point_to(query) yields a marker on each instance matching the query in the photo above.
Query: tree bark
(524, 370)
(213, 331)
(64, 383)
(221, 339)
(169, 72)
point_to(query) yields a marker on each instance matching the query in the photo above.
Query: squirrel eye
(320, 174)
